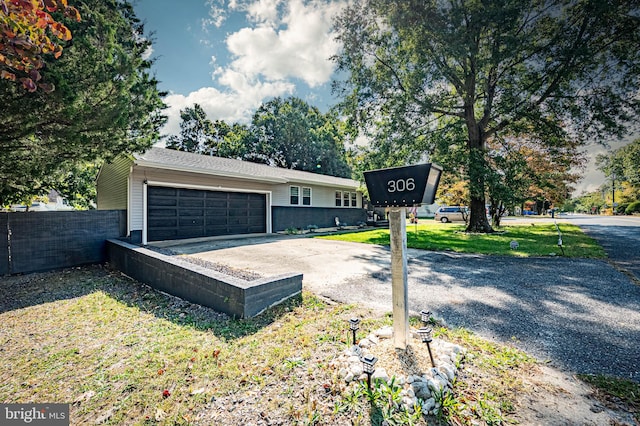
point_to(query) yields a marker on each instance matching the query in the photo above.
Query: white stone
(349, 377)
(410, 380)
(380, 374)
(409, 402)
(448, 372)
(365, 343)
(373, 339)
(435, 385)
(343, 372)
(410, 393)
(355, 369)
(384, 333)
(400, 381)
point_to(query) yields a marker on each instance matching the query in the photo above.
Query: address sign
(403, 186)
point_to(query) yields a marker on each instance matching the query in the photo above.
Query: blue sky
(231, 56)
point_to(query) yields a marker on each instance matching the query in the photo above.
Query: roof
(171, 159)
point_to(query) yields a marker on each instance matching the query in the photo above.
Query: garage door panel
(216, 204)
(190, 213)
(164, 222)
(190, 202)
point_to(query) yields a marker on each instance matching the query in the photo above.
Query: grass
(122, 353)
(615, 392)
(540, 239)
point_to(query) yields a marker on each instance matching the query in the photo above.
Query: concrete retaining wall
(199, 285)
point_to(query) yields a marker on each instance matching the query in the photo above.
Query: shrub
(633, 207)
(622, 208)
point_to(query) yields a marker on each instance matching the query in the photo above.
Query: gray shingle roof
(196, 163)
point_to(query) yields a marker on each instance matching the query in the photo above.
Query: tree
(622, 164)
(291, 134)
(546, 71)
(25, 26)
(195, 129)
(105, 103)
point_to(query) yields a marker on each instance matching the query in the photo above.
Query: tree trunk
(478, 221)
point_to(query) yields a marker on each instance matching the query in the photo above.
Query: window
(354, 199)
(294, 195)
(306, 196)
(345, 199)
(338, 198)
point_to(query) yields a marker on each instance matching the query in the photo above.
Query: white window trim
(299, 195)
(310, 196)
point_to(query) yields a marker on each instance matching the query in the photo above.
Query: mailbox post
(399, 188)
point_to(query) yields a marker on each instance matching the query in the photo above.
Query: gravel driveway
(581, 315)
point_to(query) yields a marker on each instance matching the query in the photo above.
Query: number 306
(401, 185)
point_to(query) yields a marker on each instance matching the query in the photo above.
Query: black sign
(403, 186)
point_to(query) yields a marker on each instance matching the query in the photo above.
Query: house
(172, 194)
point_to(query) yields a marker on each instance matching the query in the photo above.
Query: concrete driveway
(581, 315)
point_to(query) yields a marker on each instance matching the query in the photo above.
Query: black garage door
(174, 213)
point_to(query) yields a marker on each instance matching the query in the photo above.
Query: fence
(41, 241)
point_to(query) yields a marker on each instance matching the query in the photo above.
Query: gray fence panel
(4, 245)
(41, 241)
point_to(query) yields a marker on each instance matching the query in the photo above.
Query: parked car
(446, 214)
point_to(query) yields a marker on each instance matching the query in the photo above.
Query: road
(618, 235)
(580, 315)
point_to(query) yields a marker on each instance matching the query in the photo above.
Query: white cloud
(298, 45)
(284, 41)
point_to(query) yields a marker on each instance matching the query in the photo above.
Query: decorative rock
(380, 374)
(365, 343)
(428, 405)
(384, 333)
(373, 339)
(349, 377)
(410, 393)
(447, 371)
(421, 390)
(410, 380)
(435, 385)
(409, 402)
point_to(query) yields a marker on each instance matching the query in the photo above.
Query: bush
(633, 207)
(622, 208)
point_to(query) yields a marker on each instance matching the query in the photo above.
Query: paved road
(581, 315)
(619, 236)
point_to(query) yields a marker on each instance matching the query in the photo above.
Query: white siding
(111, 186)
(321, 196)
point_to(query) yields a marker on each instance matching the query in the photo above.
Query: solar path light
(354, 325)
(425, 316)
(368, 366)
(425, 336)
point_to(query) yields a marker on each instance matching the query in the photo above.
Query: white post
(144, 213)
(399, 286)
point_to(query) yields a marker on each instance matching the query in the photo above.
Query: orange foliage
(28, 31)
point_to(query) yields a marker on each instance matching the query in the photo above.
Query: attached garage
(171, 195)
(175, 213)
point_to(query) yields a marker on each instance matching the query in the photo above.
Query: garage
(176, 213)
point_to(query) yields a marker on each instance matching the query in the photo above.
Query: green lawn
(540, 239)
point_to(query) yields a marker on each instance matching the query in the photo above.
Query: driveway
(581, 315)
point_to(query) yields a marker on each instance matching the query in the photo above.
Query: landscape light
(425, 336)
(354, 325)
(368, 366)
(425, 316)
